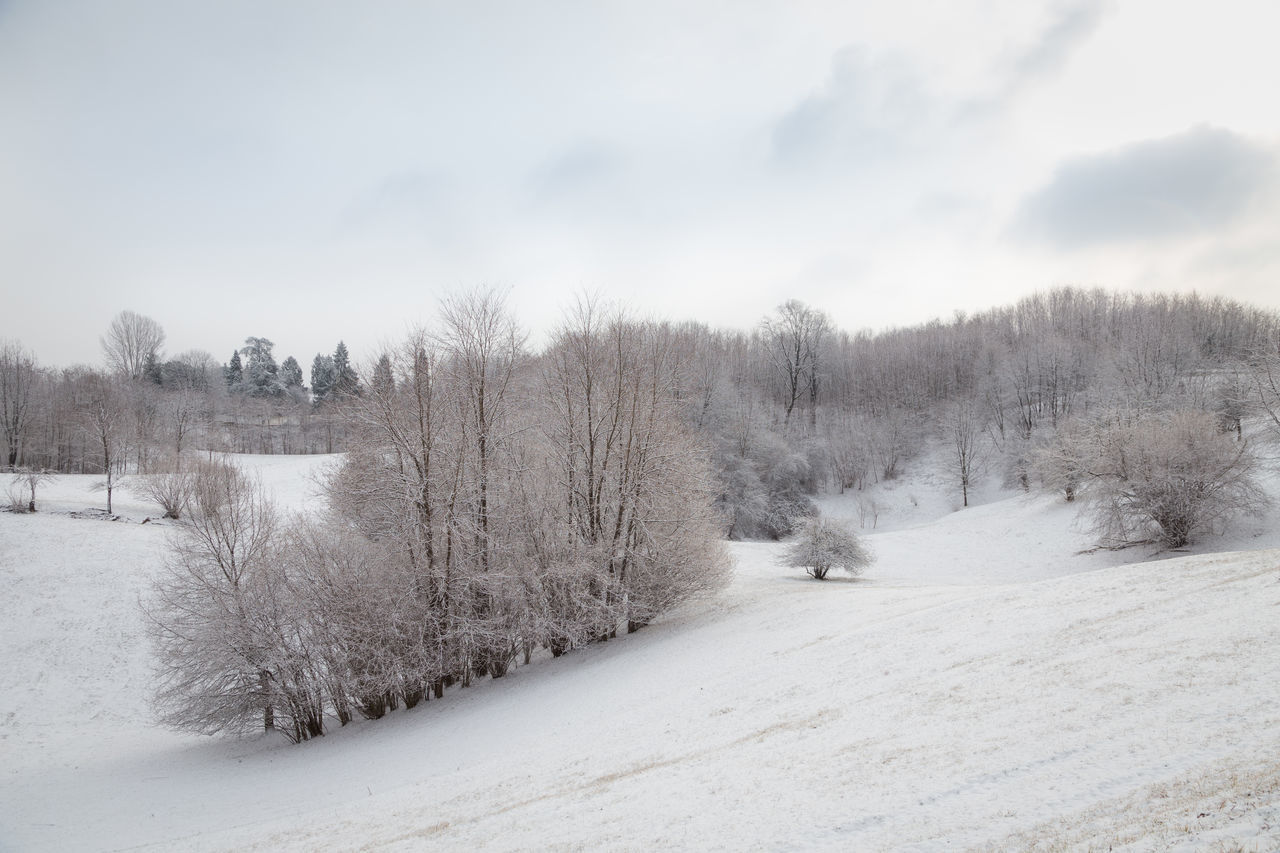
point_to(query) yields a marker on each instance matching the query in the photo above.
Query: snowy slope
(983, 686)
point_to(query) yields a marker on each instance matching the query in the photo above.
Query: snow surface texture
(984, 685)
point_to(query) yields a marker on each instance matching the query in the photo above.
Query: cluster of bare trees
(783, 411)
(988, 391)
(494, 503)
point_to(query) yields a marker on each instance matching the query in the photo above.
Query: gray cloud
(1047, 55)
(576, 170)
(1073, 24)
(1196, 181)
(409, 195)
(867, 110)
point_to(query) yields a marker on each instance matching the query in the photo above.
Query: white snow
(984, 685)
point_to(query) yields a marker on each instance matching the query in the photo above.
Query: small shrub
(823, 545)
(171, 490)
(22, 489)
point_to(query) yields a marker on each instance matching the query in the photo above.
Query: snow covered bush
(1061, 464)
(22, 488)
(822, 545)
(1166, 478)
(170, 489)
(230, 641)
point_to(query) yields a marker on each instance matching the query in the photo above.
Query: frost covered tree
(1062, 464)
(106, 424)
(345, 381)
(1168, 478)
(383, 381)
(229, 636)
(17, 382)
(233, 373)
(22, 488)
(1265, 373)
(965, 430)
(323, 377)
(634, 493)
(130, 342)
(794, 340)
(290, 374)
(260, 372)
(823, 545)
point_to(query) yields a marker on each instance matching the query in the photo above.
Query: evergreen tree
(345, 382)
(291, 373)
(151, 369)
(261, 374)
(234, 372)
(322, 376)
(383, 380)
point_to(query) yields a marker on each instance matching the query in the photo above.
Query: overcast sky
(310, 171)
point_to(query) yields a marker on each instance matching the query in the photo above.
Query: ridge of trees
(784, 410)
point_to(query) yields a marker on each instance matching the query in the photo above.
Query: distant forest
(782, 411)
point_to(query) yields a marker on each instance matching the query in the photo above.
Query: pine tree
(383, 380)
(151, 369)
(234, 373)
(322, 376)
(291, 373)
(345, 382)
(261, 374)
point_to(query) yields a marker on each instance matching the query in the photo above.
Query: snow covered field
(983, 686)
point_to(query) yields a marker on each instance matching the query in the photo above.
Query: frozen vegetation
(983, 684)
(1047, 538)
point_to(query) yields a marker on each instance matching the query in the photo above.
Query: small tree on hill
(823, 545)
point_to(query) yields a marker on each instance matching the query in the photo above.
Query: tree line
(784, 410)
(140, 411)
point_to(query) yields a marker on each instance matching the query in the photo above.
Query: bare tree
(965, 430)
(613, 427)
(1062, 464)
(231, 642)
(794, 340)
(483, 350)
(130, 342)
(22, 488)
(17, 378)
(1266, 387)
(105, 421)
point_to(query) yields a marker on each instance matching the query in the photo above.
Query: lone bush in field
(170, 489)
(823, 545)
(22, 488)
(1167, 478)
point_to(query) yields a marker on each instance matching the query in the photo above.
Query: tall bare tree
(17, 379)
(106, 422)
(130, 342)
(794, 340)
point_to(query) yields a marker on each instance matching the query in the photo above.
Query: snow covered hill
(983, 686)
